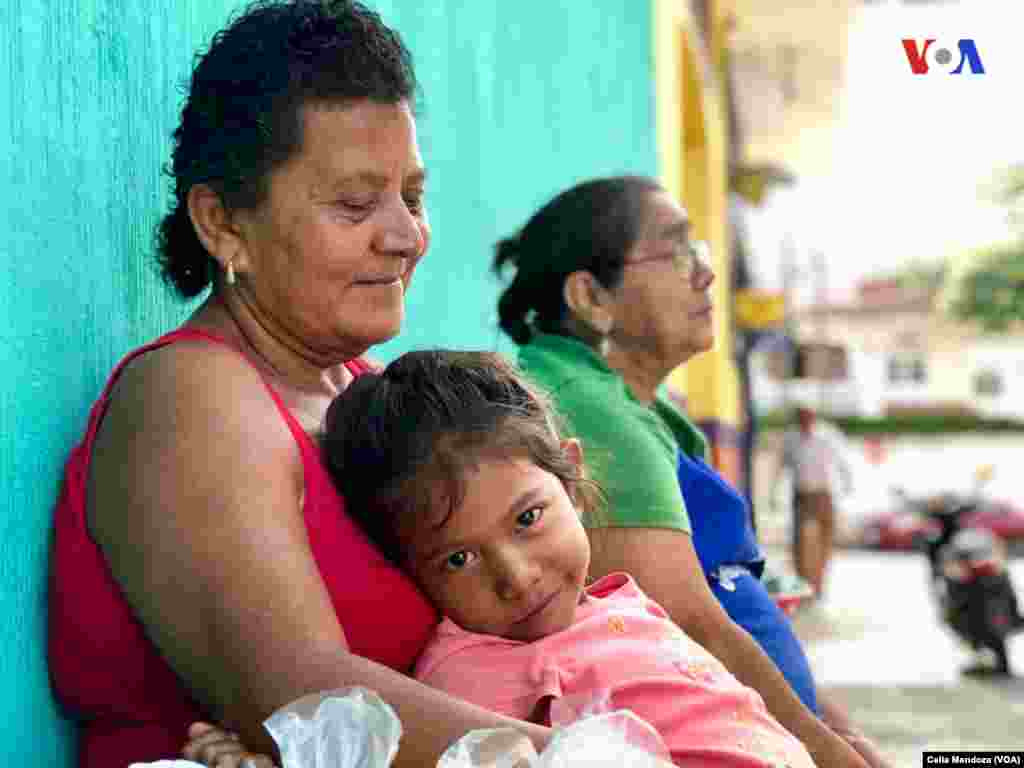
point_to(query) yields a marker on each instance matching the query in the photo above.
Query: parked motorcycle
(969, 578)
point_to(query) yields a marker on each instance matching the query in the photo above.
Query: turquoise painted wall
(519, 100)
(88, 94)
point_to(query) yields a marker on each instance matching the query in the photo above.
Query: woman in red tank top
(203, 565)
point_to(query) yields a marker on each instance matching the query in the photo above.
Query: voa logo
(928, 56)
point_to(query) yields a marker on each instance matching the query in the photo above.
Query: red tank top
(131, 704)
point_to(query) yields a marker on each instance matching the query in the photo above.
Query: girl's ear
(573, 450)
(574, 453)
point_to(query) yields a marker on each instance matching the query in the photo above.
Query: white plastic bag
(616, 739)
(355, 728)
(343, 728)
(490, 748)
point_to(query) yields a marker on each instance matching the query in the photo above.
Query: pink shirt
(623, 643)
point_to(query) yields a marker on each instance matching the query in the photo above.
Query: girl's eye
(457, 560)
(529, 517)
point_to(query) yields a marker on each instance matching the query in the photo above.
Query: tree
(991, 290)
(991, 293)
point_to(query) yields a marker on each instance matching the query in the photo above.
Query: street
(875, 641)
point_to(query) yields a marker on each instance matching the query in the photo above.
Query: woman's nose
(401, 232)
(703, 274)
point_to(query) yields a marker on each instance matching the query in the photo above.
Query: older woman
(610, 294)
(203, 565)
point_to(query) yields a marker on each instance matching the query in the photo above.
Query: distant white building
(893, 350)
(997, 377)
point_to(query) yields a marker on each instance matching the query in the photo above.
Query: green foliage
(992, 292)
(909, 424)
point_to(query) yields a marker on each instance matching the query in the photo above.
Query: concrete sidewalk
(876, 645)
(905, 721)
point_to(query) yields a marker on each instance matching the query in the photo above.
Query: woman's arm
(195, 499)
(836, 718)
(665, 565)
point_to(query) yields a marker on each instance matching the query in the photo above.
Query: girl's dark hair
(589, 227)
(243, 115)
(395, 442)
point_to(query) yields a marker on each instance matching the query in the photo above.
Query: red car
(903, 528)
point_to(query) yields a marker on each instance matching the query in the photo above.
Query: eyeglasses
(685, 256)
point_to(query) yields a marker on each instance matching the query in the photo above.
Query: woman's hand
(215, 747)
(865, 748)
(836, 717)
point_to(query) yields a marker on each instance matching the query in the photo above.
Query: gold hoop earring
(604, 331)
(230, 272)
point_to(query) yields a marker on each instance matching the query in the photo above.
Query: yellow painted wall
(693, 146)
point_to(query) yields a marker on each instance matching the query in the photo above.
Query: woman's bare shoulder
(207, 385)
(188, 362)
(191, 413)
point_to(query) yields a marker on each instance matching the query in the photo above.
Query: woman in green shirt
(609, 295)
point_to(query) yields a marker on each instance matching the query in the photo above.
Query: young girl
(454, 467)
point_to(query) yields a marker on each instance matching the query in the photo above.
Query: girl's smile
(511, 560)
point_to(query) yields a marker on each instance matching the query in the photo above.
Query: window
(907, 368)
(824, 362)
(988, 383)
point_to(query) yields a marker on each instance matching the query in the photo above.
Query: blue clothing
(723, 537)
(649, 461)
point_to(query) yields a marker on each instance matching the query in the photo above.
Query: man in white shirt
(814, 453)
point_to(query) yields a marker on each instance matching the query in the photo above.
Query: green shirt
(630, 448)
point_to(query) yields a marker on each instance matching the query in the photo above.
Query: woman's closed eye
(357, 209)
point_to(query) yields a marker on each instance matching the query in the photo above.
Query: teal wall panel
(519, 100)
(89, 90)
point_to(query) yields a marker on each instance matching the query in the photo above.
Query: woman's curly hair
(243, 114)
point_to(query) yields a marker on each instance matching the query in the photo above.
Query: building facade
(896, 350)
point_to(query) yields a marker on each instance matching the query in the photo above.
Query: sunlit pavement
(876, 643)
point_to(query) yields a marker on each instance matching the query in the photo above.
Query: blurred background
(878, 256)
(866, 225)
